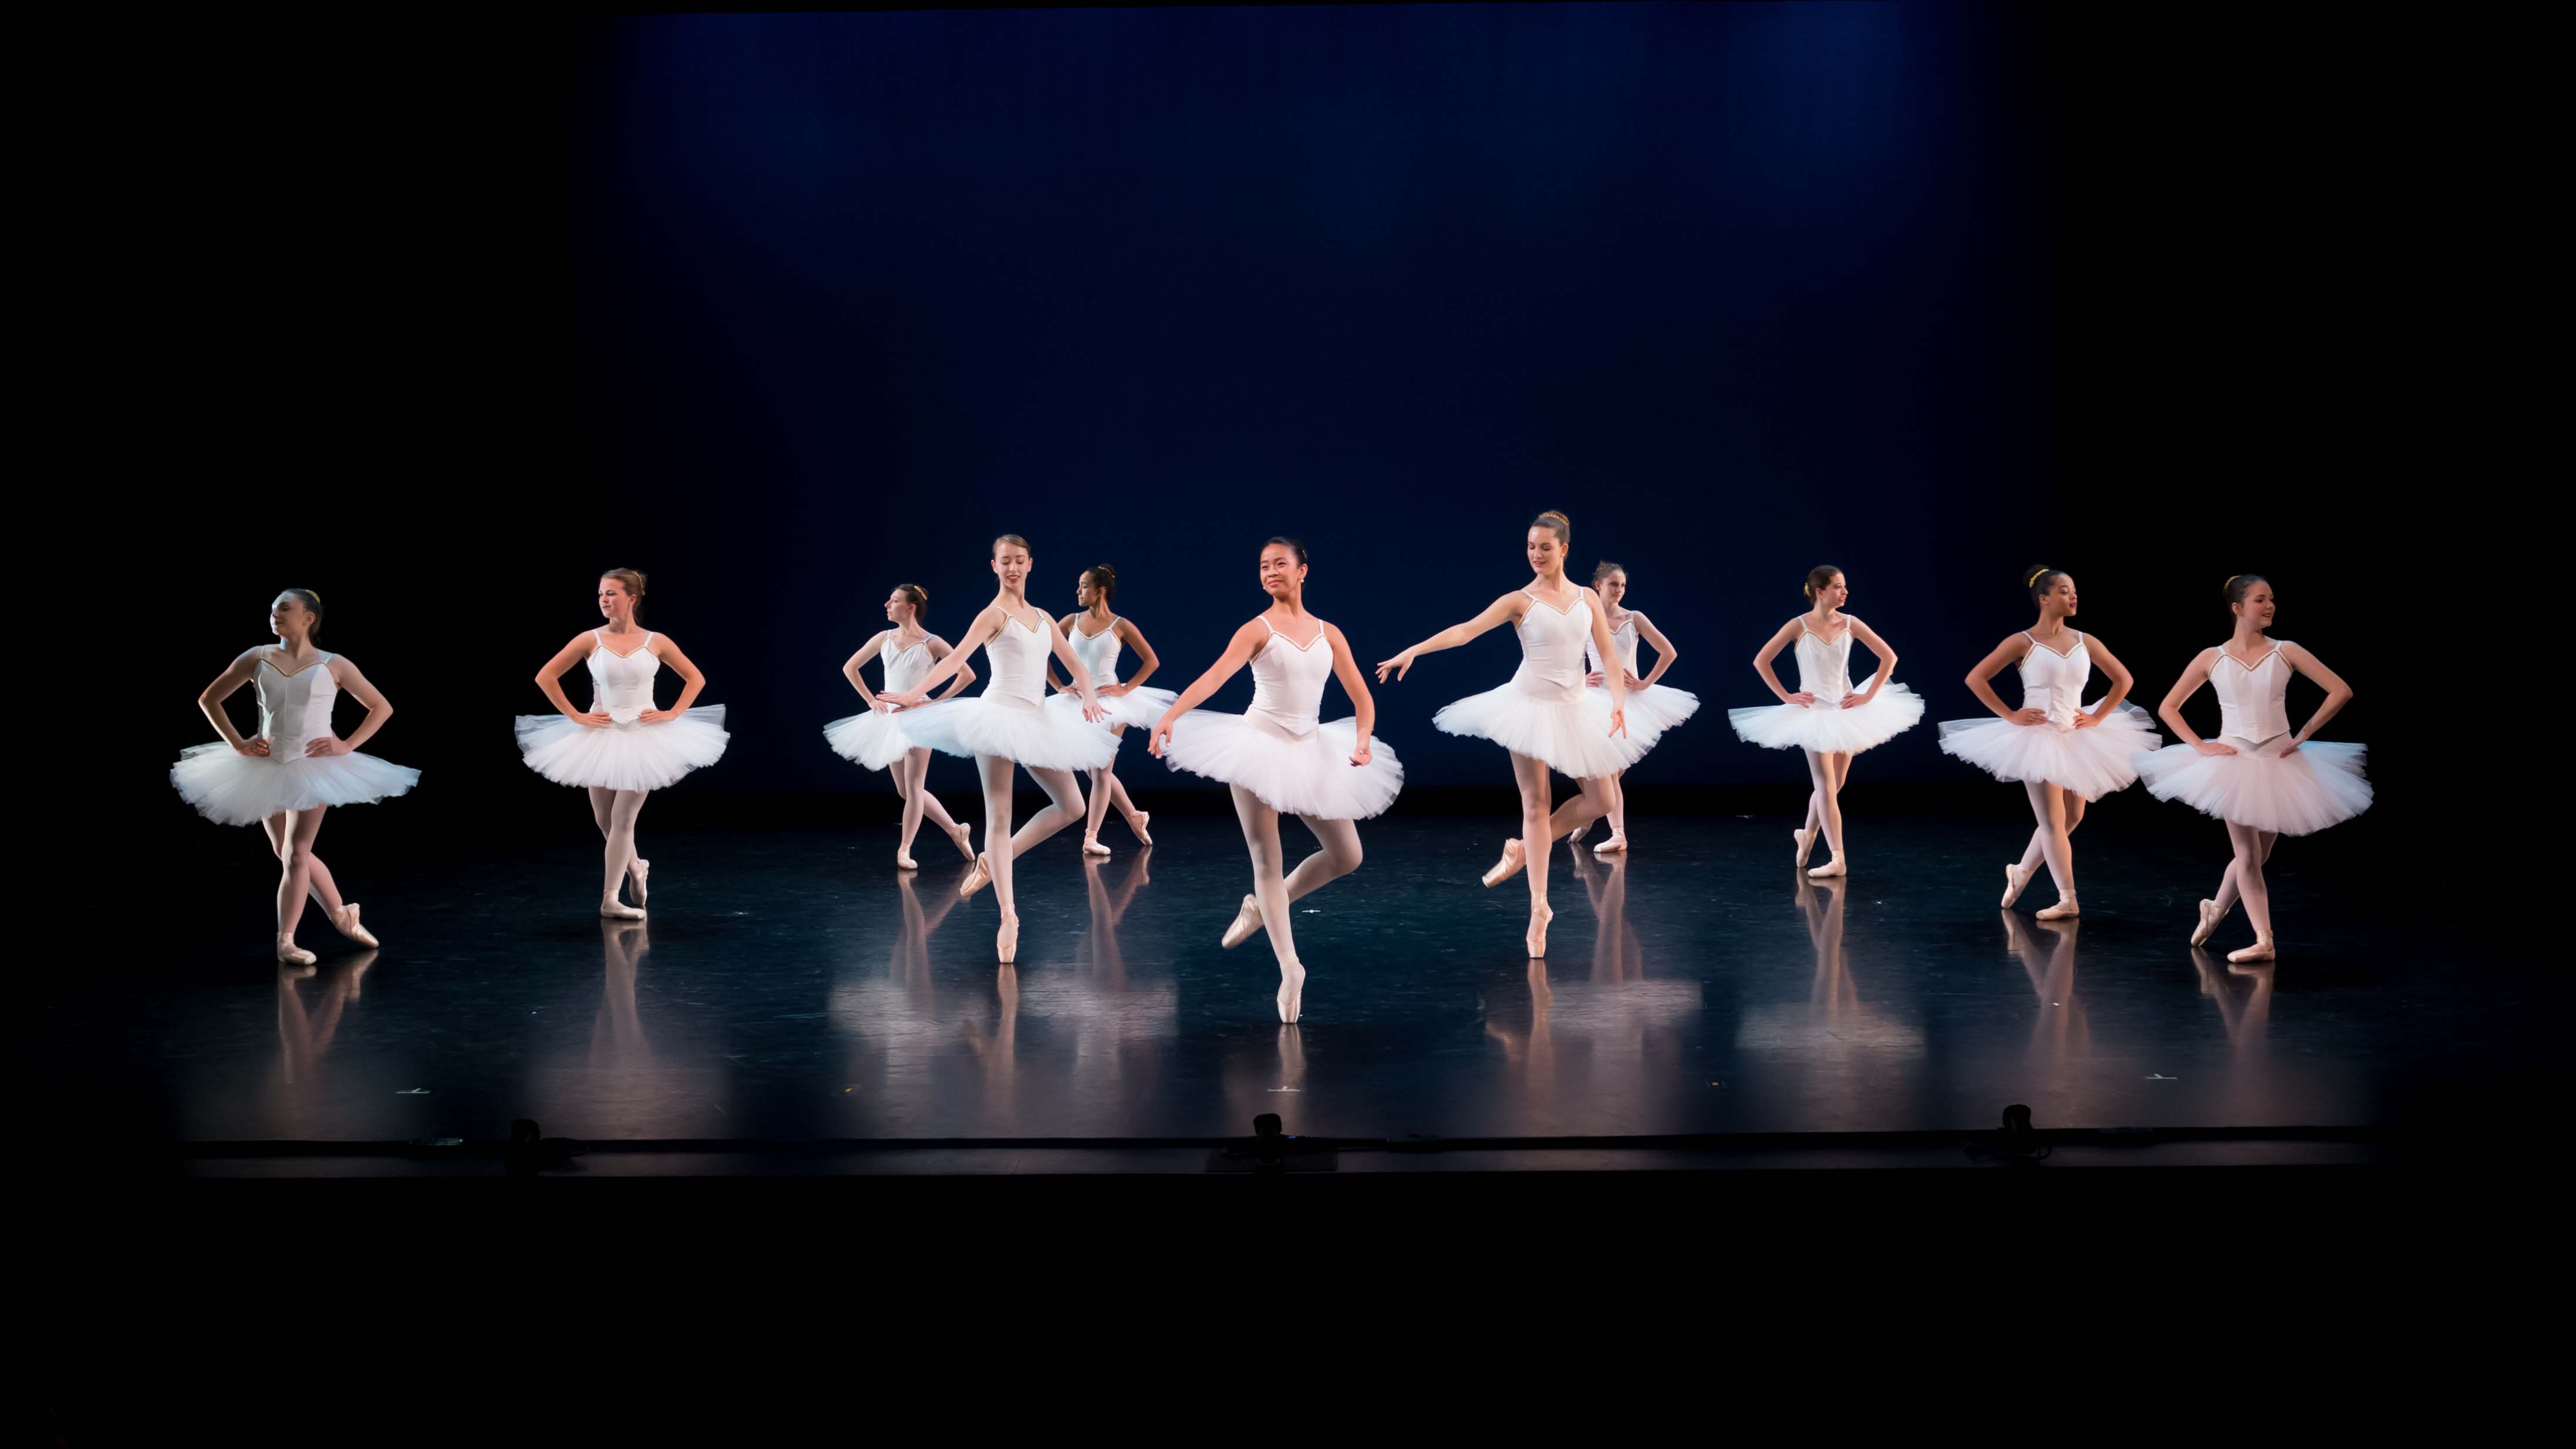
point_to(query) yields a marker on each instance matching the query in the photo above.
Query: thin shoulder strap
(648, 638)
(1266, 624)
(596, 641)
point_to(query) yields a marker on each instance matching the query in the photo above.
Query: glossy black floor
(791, 984)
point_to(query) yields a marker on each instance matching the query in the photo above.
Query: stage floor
(791, 984)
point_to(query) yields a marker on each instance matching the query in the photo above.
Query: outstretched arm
(1980, 681)
(210, 702)
(2122, 681)
(850, 669)
(1609, 649)
(965, 674)
(691, 681)
(1363, 705)
(1665, 654)
(1501, 611)
(973, 639)
(1886, 663)
(1780, 639)
(355, 685)
(2338, 693)
(1238, 652)
(1063, 650)
(550, 680)
(2194, 675)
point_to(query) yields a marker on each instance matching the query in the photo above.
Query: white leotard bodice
(905, 668)
(621, 687)
(1552, 646)
(1288, 682)
(1623, 637)
(1018, 655)
(2054, 681)
(1099, 653)
(295, 709)
(1824, 666)
(2252, 703)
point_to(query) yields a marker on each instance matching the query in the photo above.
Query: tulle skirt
(230, 788)
(1310, 775)
(631, 756)
(2092, 762)
(872, 738)
(1139, 707)
(1569, 730)
(1653, 709)
(2317, 785)
(1049, 735)
(1828, 728)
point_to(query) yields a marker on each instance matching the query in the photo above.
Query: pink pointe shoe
(976, 879)
(1507, 867)
(1806, 840)
(346, 923)
(1246, 921)
(2210, 916)
(2015, 878)
(1006, 942)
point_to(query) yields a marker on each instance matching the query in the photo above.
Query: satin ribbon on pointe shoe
(290, 954)
(1091, 846)
(1536, 937)
(1613, 846)
(2061, 911)
(1006, 942)
(2261, 950)
(638, 877)
(346, 923)
(1831, 868)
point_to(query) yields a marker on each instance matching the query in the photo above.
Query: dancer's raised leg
(1270, 889)
(1064, 807)
(1339, 856)
(1598, 797)
(1537, 832)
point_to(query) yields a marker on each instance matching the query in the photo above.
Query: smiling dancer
(876, 738)
(2064, 755)
(294, 769)
(1543, 716)
(1012, 722)
(2259, 778)
(1278, 759)
(1096, 634)
(1828, 719)
(1657, 707)
(621, 749)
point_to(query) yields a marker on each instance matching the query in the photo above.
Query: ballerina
(2065, 756)
(1095, 634)
(876, 738)
(1013, 722)
(1648, 702)
(622, 748)
(294, 769)
(1827, 719)
(1279, 758)
(2259, 778)
(1544, 716)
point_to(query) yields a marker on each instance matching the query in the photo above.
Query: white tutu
(1828, 728)
(2317, 785)
(1569, 731)
(872, 738)
(1138, 707)
(1310, 775)
(1651, 710)
(633, 756)
(1051, 735)
(230, 788)
(2092, 762)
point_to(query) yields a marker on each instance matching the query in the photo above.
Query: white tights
(615, 810)
(1542, 827)
(301, 872)
(1338, 857)
(1106, 791)
(2245, 875)
(909, 773)
(2059, 811)
(1064, 806)
(1826, 773)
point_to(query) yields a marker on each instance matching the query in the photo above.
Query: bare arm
(2121, 682)
(1608, 648)
(973, 639)
(691, 681)
(1980, 680)
(1238, 653)
(1060, 685)
(2338, 693)
(850, 667)
(210, 702)
(1786, 635)
(1886, 662)
(1146, 660)
(2194, 675)
(1664, 652)
(965, 672)
(1363, 704)
(1504, 610)
(550, 680)
(1063, 649)
(355, 685)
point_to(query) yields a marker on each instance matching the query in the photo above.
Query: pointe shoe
(2210, 916)
(1806, 842)
(1006, 942)
(2261, 950)
(976, 879)
(347, 924)
(2014, 879)
(1507, 867)
(1246, 921)
(1579, 832)
(903, 861)
(1091, 846)
(1613, 846)
(1833, 867)
(1536, 937)
(1292, 991)
(615, 911)
(290, 954)
(1136, 827)
(2063, 910)
(963, 839)
(638, 877)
